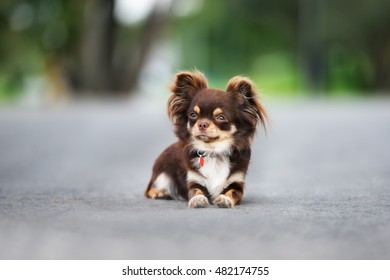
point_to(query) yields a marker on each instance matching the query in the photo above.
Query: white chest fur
(214, 173)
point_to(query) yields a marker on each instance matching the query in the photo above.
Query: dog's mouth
(206, 139)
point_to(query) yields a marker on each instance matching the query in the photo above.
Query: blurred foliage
(283, 44)
(32, 34)
(288, 46)
(76, 45)
(240, 37)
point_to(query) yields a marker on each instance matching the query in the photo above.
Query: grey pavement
(72, 182)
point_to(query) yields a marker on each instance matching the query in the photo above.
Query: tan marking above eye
(217, 112)
(197, 109)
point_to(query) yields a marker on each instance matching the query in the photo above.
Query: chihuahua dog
(209, 162)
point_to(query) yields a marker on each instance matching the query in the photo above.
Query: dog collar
(202, 154)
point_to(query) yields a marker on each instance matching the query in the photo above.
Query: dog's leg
(231, 196)
(196, 196)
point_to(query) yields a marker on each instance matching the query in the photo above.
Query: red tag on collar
(201, 161)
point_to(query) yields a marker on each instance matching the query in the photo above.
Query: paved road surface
(72, 182)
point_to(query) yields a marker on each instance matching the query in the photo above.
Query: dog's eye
(221, 118)
(193, 115)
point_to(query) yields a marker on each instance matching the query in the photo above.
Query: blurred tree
(97, 45)
(312, 42)
(78, 44)
(112, 61)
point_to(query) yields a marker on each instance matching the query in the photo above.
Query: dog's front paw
(198, 201)
(223, 201)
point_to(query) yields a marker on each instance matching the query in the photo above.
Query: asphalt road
(72, 182)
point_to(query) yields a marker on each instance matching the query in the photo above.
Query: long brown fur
(220, 124)
(186, 84)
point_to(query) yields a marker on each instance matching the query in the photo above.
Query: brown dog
(215, 128)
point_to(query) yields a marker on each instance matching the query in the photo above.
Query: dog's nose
(203, 125)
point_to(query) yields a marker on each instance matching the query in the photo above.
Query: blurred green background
(60, 49)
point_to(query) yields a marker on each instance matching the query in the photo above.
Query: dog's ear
(183, 89)
(245, 95)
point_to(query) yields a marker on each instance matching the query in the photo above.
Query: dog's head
(211, 119)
